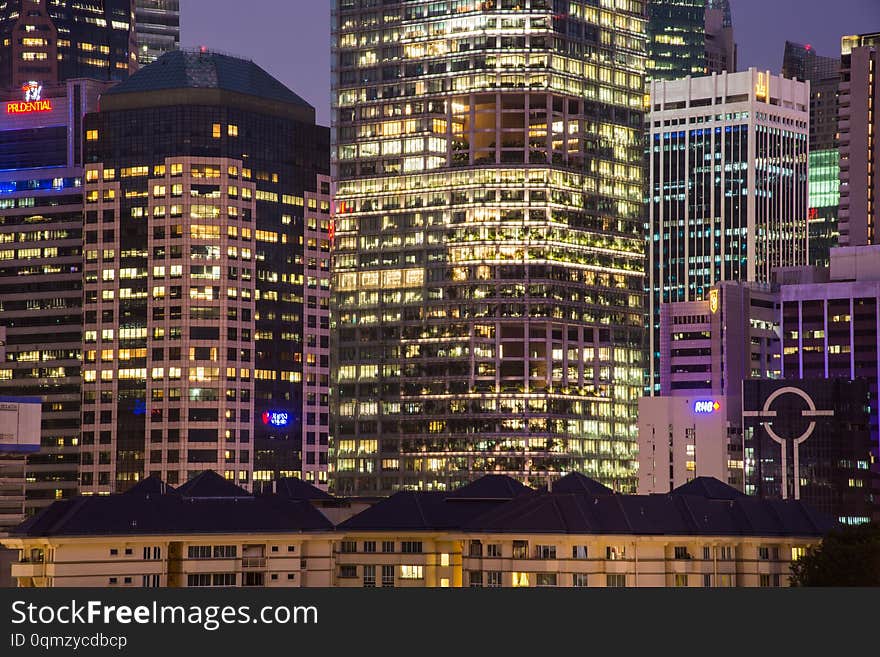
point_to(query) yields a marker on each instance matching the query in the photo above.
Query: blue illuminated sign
(705, 406)
(276, 418)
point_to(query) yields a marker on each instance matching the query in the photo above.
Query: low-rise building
(494, 532)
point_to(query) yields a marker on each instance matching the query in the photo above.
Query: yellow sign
(713, 301)
(761, 87)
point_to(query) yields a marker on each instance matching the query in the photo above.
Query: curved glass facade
(488, 265)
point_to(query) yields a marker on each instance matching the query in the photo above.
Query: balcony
(253, 563)
(29, 569)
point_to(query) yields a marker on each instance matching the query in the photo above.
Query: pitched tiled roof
(180, 69)
(211, 484)
(709, 487)
(575, 482)
(491, 487)
(293, 488)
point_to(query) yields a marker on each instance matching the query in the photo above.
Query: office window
(545, 579)
(369, 577)
(411, 572)
(519, 579)
(615, 581)
(545, 551)
(520, 549)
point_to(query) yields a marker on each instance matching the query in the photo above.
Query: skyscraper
(41, 273)
(728, 186)
(158, 28)
(859, 143)
(50, 41)
(802, 62)
(689, 37)
(487, 258)
(207, 277)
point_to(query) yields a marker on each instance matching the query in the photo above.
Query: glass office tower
(488, 265)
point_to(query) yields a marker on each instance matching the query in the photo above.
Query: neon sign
(276, 418)
(714, 301)
(33, 100)
(706, 406)
(31, 107)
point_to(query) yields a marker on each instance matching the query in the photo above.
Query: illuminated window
(519, 579)
(91, 135)
(215, 131)
(232, 131)
(411, 572)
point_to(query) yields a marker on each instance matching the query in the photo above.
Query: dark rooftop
(493, 504)
(182, 69)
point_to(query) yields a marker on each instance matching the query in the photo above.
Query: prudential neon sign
(706, 406)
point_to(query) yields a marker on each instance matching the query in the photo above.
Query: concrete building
(41, 275)
(859, 143)
(709, 347)
(803, 63)
(157, 28)
(830, 322)
(51, 41)
(685, 437)
(488, 255)
(689, 37)
(728, 187)
(810, 441)
(207, 278)
(492, 533)
(19, 436)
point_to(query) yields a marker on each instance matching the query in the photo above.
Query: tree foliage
(846, 557)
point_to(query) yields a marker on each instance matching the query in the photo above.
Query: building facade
(488, 267)
(157, 28)
(51, 41)
(859, 144)
(685, 437)
(830, 323)
(728, 187)
(207, 278)
(802, 62)
(709, 347)
(41, 274)
(489, 534)
(20, 419)
(810, 440)
(689, 37)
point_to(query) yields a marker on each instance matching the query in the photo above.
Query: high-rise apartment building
(41, 206)
(859, 142)
(689, 37)
(157, 28)
(488, 263)
(728, 186)
(207, 277)
(50, 41)
(802, 62)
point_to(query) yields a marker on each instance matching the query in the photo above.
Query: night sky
(291, 38)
